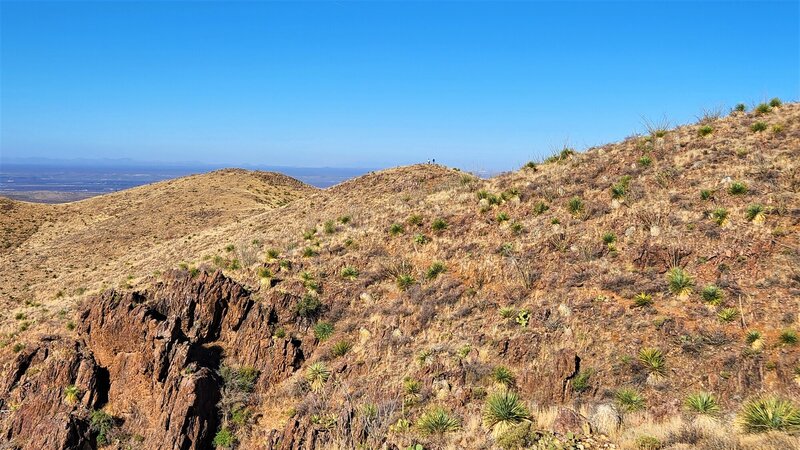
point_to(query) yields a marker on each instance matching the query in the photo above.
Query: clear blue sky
(474, 85)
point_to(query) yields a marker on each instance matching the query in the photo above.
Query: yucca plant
(71, 394)
(341, 348)
(629, 399)
(438, 421)
(504, 410)
(737, 188)
(503, 375)
(702, 403)
(642, 299)
(349, 273)
(756, 213)
(405, 281)
(412, 386)
(316, 375)
(762, 108)
(712, 295)
(720, 216)
(575, 205)
(770, 414)
(705, 130)
(679, 282)
(272, 254)
(728, 314)
(323, 330)
(653, 360)
(788, 337)
(435, 270)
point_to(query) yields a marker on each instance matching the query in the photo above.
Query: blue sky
(481, 86)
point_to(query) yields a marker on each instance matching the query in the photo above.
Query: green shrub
(503, 410)
(575, 205)
(581, 381)
(737, 188)
(309, 252)
(435, 270)
(503, 375)
(706, 194)
(629, 399)
(728, 314)
(405, 281)
(648, 443)
(224, 438)
(762, 108)
(720, 216)
(645, 161)
(523, 317)
(341, 348)
(396, 229)
(770, 414)
(741, 107)
(507, 312)
(439, 225)
(349, 273)
(679, 282)
(308, 306)
(329, 227)
(758, 127)
(609, 238)
(777, 128)
(316, 375)
(712, 294)
(502, 217)
(653, 360)
(642, 299)
(414, 220)
(239, 379)
(702, 403)
(705, 130)
(309, 234)
(323, 330)
(264, 272)
(438, 421)
(344, 220)
(530, 165)
(788, 337)
(775, 102)
(102, 424)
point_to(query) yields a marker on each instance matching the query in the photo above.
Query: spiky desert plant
(507, 312)
(758, 127)
(414, 220)
(705, 130)
(71, 394)
(720, 216)
(740, 107)
(435, 270)
(349, 273)
(629, 399)
(762, 108)
(316, 375)
(702, 403)
(712, 295)
(788, 337)
(679, 282)
(575, 205)
(323, 330)
(504, 410)
(503, 375)
(540, 207)
(438, 421)
(728, 314)
(769, 414)
(609, 238)
(752, 337)
(439, 225)
(706, 194)
(395, 229)
(642, 299)
(645, 161)
(341, 348)
(421, 239)
(503, 217)
(405, 281)
(581, 381)
(775, 102)
(737, 188)
(755, 213)
(653, 360)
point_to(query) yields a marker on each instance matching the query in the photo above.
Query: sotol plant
(629, 399)
(438, 421)
(679, 282)
(702, 403)
(770, 414)
(503, 410)
(503, 375)
(653, 360)
(316, 375)
(712, 295)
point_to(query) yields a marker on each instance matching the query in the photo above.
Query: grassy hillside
(624, 282)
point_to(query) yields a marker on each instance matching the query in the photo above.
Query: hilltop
(610, 290)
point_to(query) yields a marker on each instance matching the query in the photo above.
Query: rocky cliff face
(149, 358)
